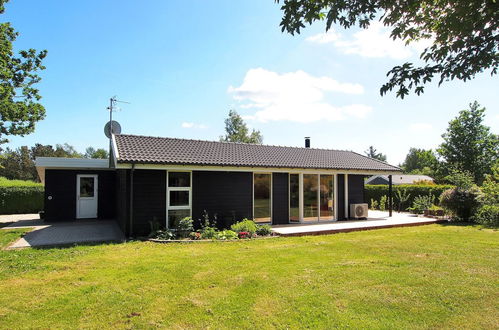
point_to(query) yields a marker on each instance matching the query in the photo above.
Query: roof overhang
(43, 163)
(187, 167)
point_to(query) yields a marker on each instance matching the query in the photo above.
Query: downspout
(390, 196)
(131, 200)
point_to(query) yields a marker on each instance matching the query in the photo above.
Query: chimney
(307, 142)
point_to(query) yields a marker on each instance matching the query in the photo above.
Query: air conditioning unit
(358, 211)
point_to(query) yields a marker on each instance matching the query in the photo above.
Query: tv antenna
(112, 127)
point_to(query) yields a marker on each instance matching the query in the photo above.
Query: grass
(416, 277)
(4, 182)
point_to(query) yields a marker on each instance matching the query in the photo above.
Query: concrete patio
(65, 233)
(376, 220)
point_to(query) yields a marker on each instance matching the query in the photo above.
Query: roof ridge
(237, 143)
(380, 161)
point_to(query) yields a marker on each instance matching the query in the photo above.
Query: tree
(91, 152)
(19, 99)
(237, 131)
(464, 34)
(372, 153)
(420, 161)
(469, 145)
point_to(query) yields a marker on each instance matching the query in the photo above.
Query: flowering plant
(244, 234)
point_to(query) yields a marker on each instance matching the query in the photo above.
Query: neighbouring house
(164, 179)
(398, 179)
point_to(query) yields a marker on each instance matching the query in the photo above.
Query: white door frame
(96, 193)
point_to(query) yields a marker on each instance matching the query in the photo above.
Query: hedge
(19, 199)
(376, 191)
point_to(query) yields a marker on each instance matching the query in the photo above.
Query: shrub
(226, 235)
(263, 230)
(461, 203)
(245, 225)
(375, 192)
(402, 196)
(383, 202)
(165, 234)
(244, 235)
(184, 227)
(195, 236)
(208, 233)
(374, 204)
(488, 215)
(421, 203)
(21, 199)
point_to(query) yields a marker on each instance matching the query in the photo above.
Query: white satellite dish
(114, 126)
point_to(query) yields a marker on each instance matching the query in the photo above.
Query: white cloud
(374, 41)
(420, 127)
(192, 125)
(294, 96)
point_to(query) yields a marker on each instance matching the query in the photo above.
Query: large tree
(464, 34)
(371, 152)
(469, 145)
(420, 161)
(20, 108)
(237, 131)
(100, 153)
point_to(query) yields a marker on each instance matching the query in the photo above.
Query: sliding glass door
(311, 197)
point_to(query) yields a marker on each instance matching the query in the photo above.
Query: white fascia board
(62, 163)
(250, 169)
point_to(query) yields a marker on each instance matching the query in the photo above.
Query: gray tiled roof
(158, 150)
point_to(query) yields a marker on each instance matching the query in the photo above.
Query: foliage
(226, 235)
(383, 203)
(184, 227)
(462, 203)
(488, 212)
(371, 152)
(163, 234)
(244, 235)
(4, 182)
(420, 161)
(461, 179)
(487, 215)
(469, 145)
(402, 196)
(422, 203)
(20, 106)
(374, 204)
(463, 34)
(21, 199)
(237, 131)
(208, 232)
(264, 230)
(195, 235)
(245, 225)
(100, 153)
(374, 192)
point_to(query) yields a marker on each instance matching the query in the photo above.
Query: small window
(179, 198)
(87, 187)
(179, 179)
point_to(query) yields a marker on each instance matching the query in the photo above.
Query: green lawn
(415, 277)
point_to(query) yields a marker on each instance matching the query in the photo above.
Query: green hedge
(19, 199)
(376, 191)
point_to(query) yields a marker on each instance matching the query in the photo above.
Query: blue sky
(184, 64)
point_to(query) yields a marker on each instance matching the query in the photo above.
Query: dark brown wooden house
(154, 179)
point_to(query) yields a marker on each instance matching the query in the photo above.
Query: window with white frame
(179, 197)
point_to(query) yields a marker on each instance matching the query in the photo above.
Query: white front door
(86, 196)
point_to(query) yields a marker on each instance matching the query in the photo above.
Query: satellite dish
(114, 125)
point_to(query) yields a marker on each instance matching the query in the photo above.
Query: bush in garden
(195, 236)
(374, 204)
(245, 225)
(244, 235)
(208, 232)
(263, 230)
(165, 234)
(375, 192)
(460, 202)
(226, 235)
(21, 199)
(402, 196)
(488, 212)
(421, 203)
(487, 215)
(184, 227)
(383, 202)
